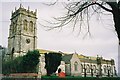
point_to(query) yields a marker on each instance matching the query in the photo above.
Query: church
(23, 37)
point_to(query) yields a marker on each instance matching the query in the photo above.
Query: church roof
(67, 58)
(88, 60)
(87, 57)
(43, 51)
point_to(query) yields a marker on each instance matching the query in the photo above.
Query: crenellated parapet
(24, 11)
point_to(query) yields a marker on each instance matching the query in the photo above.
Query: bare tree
(79, 11)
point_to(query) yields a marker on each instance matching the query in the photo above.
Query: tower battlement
(22, 10)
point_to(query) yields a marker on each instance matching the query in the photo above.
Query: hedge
(66, 78)
(80, 78)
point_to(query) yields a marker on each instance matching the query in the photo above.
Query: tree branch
(82, 8)
(103, 7)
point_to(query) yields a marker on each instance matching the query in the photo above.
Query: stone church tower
(22, 32)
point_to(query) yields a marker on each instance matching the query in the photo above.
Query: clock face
(27, 41)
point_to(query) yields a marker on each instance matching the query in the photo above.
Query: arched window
(109, 69)
(25, 25)
(31, 26)
(76, 66)
(104, 69)
(81, 68)
(94, 69)
(88, 68)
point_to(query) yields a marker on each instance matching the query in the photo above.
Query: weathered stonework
(22, 32)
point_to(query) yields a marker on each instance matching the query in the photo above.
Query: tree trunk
(116, 17)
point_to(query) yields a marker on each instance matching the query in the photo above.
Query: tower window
(25, 25)
(14, 27)
(31, 26)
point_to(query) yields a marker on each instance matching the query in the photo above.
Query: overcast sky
(103, 40)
